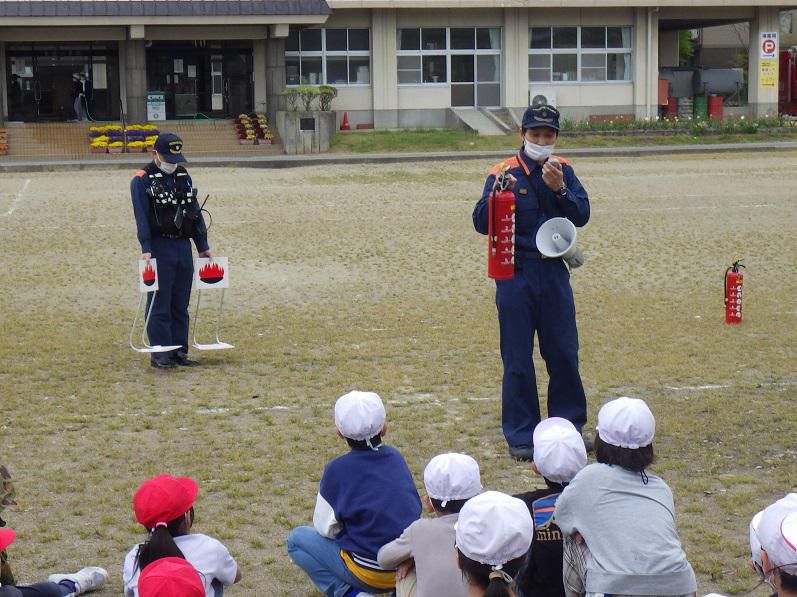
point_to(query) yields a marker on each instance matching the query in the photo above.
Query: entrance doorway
(212, 79)
(41, 85)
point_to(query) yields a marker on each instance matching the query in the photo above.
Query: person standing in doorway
(539, 298)
(168, 217)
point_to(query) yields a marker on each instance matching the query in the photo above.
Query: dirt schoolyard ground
(372, 277)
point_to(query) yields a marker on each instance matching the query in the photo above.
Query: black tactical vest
(173, 213)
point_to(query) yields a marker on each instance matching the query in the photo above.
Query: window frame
(323, 54)
(579, 51)
(447, 53)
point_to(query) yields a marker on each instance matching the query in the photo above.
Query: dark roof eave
(250, 10)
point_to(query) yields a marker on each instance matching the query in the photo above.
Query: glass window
(565, 37)
(540, 38)
(434, 69)
(618, 67)
(409, 69)
(593, 37)
(593, 67)
(409, 39)
(565, 67)
(292, 42)
(618, 37)
(462, 39)
(579, 54)
(359, 40)
(488, 39)
(360, 70)
(312, 73)
(488, 68)
(336, 40)
(311, 40)
(433, 39)
(330, 62)
(462, 68)
(337, 70)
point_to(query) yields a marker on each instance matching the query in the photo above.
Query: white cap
(559, 451)
(755, 544)
(359, 415)
(452, 477)
(626, 423)
(494, 528)
(777, 531)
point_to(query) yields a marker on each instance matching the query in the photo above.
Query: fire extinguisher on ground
(734, 281)
(501, 230)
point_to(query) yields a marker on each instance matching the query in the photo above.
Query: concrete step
(477, 121)
(506, 117)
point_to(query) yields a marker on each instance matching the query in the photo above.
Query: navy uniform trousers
(168, 324)
(538, 299)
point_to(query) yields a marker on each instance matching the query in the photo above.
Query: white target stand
(210, 275)
(147, 283)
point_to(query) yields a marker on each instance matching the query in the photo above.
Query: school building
(395, 63)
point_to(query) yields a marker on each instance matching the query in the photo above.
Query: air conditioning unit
(540, 97)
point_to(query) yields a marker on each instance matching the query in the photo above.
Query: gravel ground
(373, 278)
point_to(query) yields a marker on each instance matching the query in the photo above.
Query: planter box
(136, 149)
(116, 149)
(246, 141)
(306, 132)
(264, 141)
(98, 149)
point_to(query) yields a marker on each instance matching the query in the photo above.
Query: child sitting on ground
(170, 577)
(493, 534)
(164, 505)
(366, 499)
(58, 585)
(428, 543)
(559, 454)
(624, 514)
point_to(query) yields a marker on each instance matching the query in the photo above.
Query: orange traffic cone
(344, 126)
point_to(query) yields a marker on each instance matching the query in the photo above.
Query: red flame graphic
(148, 275)
(211, 273)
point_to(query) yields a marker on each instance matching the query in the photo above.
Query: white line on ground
(690, 208)
(17, 198)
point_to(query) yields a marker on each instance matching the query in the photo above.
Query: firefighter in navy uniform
(168, 216)
(539, 298)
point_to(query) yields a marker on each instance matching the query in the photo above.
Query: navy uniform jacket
(142, 204)
(536, 203)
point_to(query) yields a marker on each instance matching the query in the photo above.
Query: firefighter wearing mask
(538, 299)
(168, 217)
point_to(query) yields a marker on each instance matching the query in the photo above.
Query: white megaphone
(556, 238)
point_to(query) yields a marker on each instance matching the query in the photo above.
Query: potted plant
(136, 146)
(99, 144)
(116, 147)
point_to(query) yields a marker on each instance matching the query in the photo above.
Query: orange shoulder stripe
(140, 173)
(512, 162)
(562, 160)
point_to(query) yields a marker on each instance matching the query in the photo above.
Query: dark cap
(541, 115)
(170, 148)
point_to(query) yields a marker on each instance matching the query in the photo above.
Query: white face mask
(536, 152)
(166, 167)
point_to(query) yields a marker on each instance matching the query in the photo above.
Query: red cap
(170, 577)
(163, 499)
(7, 537)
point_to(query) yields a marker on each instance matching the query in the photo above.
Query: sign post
(768, 60)
(156, 105)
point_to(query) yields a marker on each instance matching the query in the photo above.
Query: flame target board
(147, 275)
(211, 274)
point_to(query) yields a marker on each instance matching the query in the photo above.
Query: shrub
(326, 94)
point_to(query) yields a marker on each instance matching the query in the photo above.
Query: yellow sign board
(768, 74)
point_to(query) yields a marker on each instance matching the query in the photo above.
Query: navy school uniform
(169, 323)
(538, 300)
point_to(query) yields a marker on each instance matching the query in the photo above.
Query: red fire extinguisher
(501, 230)
(734, 280)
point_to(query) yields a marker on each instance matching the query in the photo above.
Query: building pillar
(646, 62)
(274, 76)
(384, 68)
(135, 79)
(762, 93)
(516, 58)
(259, 72)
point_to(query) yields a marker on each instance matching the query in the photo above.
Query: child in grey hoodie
(624, 514)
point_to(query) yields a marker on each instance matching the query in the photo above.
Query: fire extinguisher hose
(733, 268)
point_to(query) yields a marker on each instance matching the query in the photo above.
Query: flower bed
(111, 138)
(3, 142)
(253, 129)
